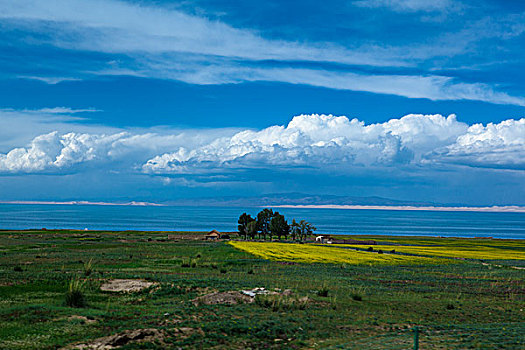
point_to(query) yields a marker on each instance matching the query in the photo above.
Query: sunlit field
(310, 253)
(464, 248)
(51, 294)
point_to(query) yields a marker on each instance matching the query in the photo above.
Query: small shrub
(198, 256)
(379, 251)
(357, 293)
(370, 249)
(393, 251)
(223, 270)
(185, 262)
(450, 307)
(250, 272)
(88, 267)
(214, 266)
(193, 263)
(17, 269)
(323, 292)
(75, 294)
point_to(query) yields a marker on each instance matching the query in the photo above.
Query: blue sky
(155, 100)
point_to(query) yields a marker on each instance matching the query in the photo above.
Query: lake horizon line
(443, 208)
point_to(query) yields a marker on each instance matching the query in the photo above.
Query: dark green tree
(278, 226)
(295, 230)
(243, 222)
(306, 229)
(251, 229)
(263, 222)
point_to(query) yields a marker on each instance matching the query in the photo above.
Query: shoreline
(126, 204)
(493, 209)
(234, 233)
(486, 209)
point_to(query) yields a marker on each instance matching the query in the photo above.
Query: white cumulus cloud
(493, 145)
(321, 143)
(58, 151)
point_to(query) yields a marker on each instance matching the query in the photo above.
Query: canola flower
(515, 244)
(310, 253)
(466, 252)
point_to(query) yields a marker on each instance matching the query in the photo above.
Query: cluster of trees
(270, 224)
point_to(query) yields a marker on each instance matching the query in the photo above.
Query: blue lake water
(335, 221)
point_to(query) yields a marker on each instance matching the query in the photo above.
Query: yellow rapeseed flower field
(447, 241)
(467, 252)
(310, 253)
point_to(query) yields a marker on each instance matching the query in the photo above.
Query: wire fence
(489, 336)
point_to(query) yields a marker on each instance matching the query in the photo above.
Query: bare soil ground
(125, 285)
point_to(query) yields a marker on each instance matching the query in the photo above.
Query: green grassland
(472, 302)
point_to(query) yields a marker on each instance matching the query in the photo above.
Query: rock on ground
(83, 319)
(229, 298)
(117, 340)
(125, 285)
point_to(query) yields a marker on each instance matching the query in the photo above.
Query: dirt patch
(496, 265)
(235, 297)
(199, 290)
(185, 332)
(123, 285)
(117, 340)
(82, 319)
(263, 291)
(229, 298)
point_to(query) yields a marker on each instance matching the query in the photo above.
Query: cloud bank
(136, 39)
(321, 143)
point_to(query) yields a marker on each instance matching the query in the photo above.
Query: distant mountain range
(277, 199)
(299, 200)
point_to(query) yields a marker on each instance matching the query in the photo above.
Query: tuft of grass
(185, 262)
(323, 292)
(333, 303)
(357, 293)
(198, 256)
(250, 272)
(223, 270)
(17, 269)
(193, 263)
(75, 293)
(88, 267)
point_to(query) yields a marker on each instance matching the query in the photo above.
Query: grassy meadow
(461, 293)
